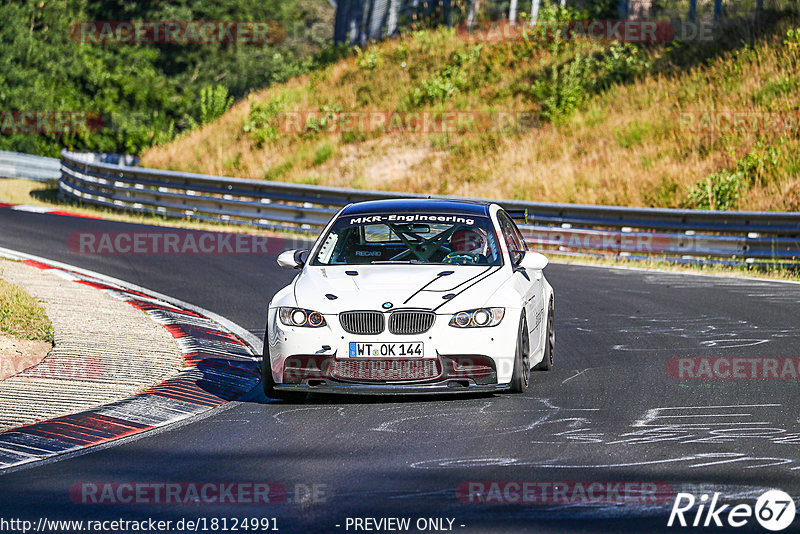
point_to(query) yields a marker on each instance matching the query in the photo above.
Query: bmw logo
(387, 305)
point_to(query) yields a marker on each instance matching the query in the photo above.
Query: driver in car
(469, 247)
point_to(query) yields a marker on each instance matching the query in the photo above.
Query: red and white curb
(44, 209)
(220, 367)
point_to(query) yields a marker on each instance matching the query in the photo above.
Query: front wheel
(522, 361)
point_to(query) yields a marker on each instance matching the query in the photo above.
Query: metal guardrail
(564, 228)
(126, 160)
(17, 165)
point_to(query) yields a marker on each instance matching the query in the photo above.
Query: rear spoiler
(519, 215)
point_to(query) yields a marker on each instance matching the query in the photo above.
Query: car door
(528, 285)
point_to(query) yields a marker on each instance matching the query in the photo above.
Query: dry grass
(18, 191)
(21, 316)
(624, 145)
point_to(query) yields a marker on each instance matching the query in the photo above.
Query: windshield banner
(411, 218)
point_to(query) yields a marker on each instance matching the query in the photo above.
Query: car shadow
(256, 395)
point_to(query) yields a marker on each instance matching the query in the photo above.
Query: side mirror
(533, 261)
(291, 259)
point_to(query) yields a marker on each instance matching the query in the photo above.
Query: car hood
(405, 286)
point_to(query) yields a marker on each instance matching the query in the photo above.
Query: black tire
(522, 360)
(549, 342)
(268, 383)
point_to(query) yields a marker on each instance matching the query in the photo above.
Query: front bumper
(444, 374)
(474, 359)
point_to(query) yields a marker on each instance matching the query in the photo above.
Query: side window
(519, 235)
(514, 240)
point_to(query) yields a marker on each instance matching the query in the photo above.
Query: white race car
(411, 296)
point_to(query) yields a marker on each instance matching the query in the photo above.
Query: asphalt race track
(609, 411)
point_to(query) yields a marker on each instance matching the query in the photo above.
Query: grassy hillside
(593, 122)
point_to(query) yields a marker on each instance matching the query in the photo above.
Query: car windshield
(410, 238)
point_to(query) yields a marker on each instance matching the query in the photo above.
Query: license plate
(413, 348)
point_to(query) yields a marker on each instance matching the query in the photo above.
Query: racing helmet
(469, 240)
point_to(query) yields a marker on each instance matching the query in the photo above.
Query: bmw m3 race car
(411, 296)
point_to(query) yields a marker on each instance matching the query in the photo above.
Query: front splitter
(393, 389)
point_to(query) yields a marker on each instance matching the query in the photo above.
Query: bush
(717, 192)
(214, 102)
(451, 79)
(722, 191)
(368, 60)
(561, 89)
(323, 154)
(759, 165)
(261, 123)
(792, 38)
(328, 114)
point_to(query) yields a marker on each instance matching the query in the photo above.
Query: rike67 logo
(774, 510)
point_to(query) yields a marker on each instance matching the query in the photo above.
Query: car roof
(434, 205)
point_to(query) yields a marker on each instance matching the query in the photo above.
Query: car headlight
(301, 317)
(478, 318)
